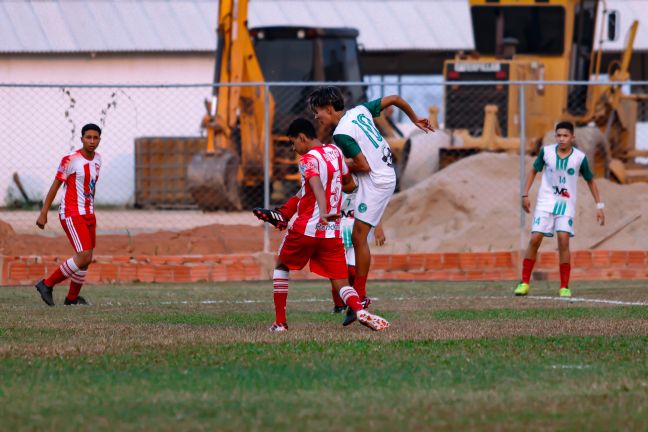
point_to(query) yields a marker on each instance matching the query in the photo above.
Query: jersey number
(367, 126)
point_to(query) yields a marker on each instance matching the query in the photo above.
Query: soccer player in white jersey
(78, 172)
(355, 133)
(315, 234)
(556, 204)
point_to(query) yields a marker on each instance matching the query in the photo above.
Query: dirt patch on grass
(103, 338)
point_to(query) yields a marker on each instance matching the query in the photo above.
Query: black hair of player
(565, 125)
(90, 126)
(301, 125)
(325, 96)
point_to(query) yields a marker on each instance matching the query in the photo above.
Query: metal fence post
(266, 163)
(522, 168)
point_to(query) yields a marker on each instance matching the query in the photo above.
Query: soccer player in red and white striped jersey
(315, 235)
(78, 173)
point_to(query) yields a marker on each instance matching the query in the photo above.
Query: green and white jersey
(558, 190)
(356, 132)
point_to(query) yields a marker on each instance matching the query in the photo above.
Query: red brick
(381, 262)
(468, 261)
(199, 273)
(547, 261)
(433, 261)
(451, 261)
(181, 273)
(600, 258)
(108, 272)
(145, 272)
(636, 258)
(127, 272)
(504, 260)
(582, 259)
(416, 262)
(163, 273)
(398, 262)
(219, 273)
(19, 271)
(618, 258)
(93, 275)
(37, 271)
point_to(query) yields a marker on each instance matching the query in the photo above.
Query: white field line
(589, 300)
(412, 299)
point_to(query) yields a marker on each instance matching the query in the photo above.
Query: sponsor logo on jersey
(362, 207)
(563, 192)
(327, 227)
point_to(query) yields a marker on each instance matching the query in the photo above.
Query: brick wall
(586, 265)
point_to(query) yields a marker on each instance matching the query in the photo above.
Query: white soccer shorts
(371, 200)
(548, 223)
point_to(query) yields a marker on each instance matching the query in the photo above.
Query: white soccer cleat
(374, 322)
(278, 327)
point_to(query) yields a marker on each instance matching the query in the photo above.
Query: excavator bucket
(212, 180)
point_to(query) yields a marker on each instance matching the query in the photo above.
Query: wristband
(525, 196)
(600, 206)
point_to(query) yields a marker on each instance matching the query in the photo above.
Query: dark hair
(325, 96)
(90, 126)
(301, 125)
(565, 125)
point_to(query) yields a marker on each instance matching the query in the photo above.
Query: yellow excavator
(229, 174)
(552, 40)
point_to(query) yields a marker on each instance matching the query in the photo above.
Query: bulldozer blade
(212, 180)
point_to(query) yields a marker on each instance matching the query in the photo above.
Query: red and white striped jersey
(328, 163)
(79, 176)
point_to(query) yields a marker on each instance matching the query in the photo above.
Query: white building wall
(40, 125)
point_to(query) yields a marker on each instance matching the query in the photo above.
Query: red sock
(527, 268)
(360, 285)
(565, 269)
(337, 300)
(350, 297)
(65, 270)
(280, 294)
(352, 274)
(76, 282)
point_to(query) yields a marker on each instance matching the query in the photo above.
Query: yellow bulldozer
(548, 40)
(229, 174)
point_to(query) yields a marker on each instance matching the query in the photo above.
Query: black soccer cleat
(338, 309)
(45, 292)
(79, 301)
(350, 316)
(273, 217)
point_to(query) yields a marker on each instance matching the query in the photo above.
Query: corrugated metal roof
(50, 26)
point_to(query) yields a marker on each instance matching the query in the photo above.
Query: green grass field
(459, 356)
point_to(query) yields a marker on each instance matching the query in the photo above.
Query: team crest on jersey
(571, 222)
(305, 166)
(571, 171)
(362, 207)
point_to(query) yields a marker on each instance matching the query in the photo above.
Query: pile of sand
(473, 205)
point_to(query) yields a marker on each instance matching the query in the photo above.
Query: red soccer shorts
(326, 255)
(80, 231)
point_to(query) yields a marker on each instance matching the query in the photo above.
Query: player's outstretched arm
(49, 199)
(526, 203)
(600, 215)
(397, 101)
(358, 164)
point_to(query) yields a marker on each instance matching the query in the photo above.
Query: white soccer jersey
(357, 132)
(79, 176)
(557, 194)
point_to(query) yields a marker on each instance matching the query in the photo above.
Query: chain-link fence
(458, 188)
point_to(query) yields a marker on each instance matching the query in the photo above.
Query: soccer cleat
(79, 301)
(351, 315)
(45, 292)
(522, 289)
(338, 309)
(564, 292)
(273, 217)
(374, 322)
(278, 327)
